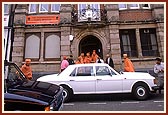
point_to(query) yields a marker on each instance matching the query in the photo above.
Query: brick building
(42, 33)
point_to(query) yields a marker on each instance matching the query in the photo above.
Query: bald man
(26, 69)
(128, 66)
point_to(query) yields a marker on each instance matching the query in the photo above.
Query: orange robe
(87, 59)
(27, 70)
(94, 58)
(81, 59)
(128, 66)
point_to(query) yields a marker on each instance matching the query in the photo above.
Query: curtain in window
(52, 47)
(126, 43)
(32, 49)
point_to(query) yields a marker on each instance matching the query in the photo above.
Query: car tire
(141, 91)
(67, 93)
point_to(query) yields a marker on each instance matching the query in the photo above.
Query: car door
(107, 81)
(82, 80)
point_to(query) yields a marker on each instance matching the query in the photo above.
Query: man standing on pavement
(128, 65)
(64, 63)
(159, 70)
(26, 69)
(109, 61)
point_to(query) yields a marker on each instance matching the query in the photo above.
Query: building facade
(47, 32)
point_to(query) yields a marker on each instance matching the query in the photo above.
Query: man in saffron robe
(26, 69)
(128, 65)
(94, 56)
(82, 57)
(88, 58)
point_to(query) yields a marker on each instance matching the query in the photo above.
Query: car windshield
(13, 75)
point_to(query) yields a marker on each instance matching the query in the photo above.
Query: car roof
(90, 64)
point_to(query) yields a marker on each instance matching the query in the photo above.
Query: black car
(21, 94)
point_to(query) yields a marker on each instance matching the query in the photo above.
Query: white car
(100, 78)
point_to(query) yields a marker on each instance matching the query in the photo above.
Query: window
(52, 47)
(6, 9)
(134, 6)
(32, 8)
(102, 70)
(89, 11)
(145, 6)
(32, 48)
(128, 42)
(149, 42)
(55, 7)
(122, 6)
(85, 71)
(43, 8)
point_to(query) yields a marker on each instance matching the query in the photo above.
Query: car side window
(85, 71)
(102, 70)
(73, 72)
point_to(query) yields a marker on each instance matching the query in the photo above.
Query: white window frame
(53, 10)
(146, 7)
(30, 8)
(132, 7)
(121, 8)
(40, 5)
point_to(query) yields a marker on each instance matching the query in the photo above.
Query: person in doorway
(159, 70)
(26, 69)
(94, 56)
(88, 58)
(64, 63)
(78, 61)
(70, 60)
(109, 61)
(128, 65)
(82, 57)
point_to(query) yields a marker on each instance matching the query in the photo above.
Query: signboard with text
(42, 19)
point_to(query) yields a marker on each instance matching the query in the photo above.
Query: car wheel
(141, 92)
(67, 93)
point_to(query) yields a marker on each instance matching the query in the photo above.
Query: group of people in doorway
(94, 58)
(89, 58)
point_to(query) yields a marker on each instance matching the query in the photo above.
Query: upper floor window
(145, 6)
(43, 8)
(89, 11)
(6, 9)
(122, 6)
(134, 6)
(55, 7)
(32, 8)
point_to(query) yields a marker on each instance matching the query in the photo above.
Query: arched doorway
(90, 43)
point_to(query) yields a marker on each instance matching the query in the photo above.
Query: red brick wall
(135, 15)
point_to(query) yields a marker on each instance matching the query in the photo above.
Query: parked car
(100, 78)
(21, 94)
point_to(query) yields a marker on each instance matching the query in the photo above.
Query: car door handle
(98, 79)
(71, 80)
